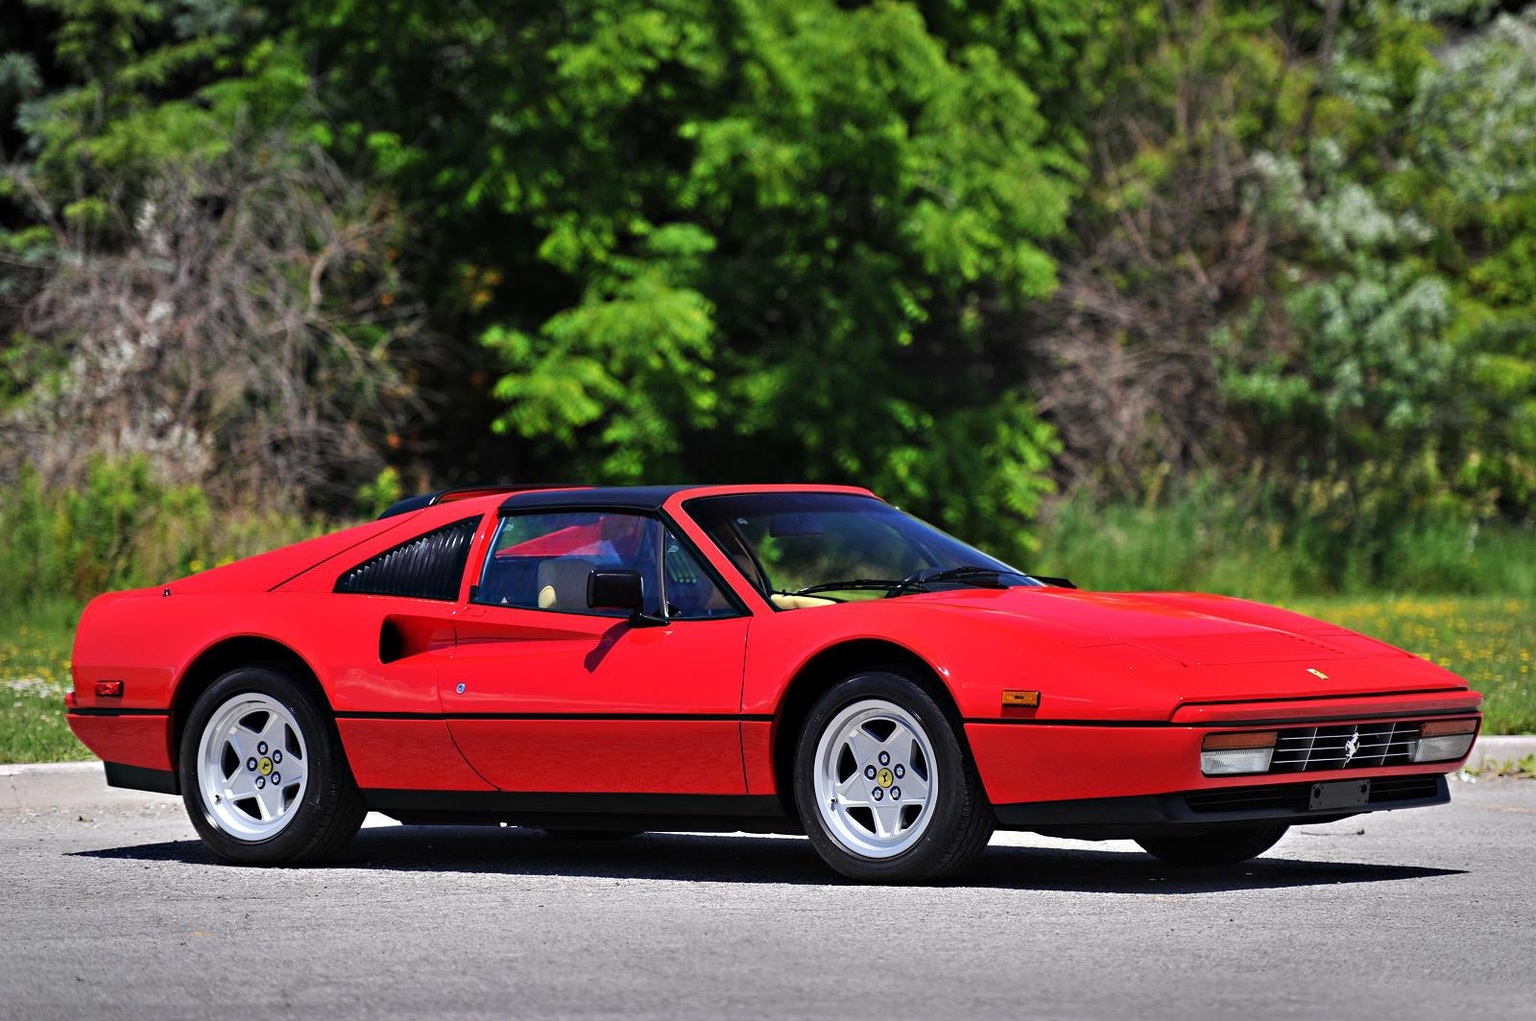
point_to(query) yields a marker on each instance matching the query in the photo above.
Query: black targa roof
(625, 497)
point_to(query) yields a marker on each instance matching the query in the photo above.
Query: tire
(1215, 847)
(263, 774)
(884, 789)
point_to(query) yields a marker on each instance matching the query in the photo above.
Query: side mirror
(621, 590)
(615, 590)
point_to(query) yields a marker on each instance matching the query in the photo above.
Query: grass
(34, 674)
(1520, 769)
(1212, 541)
(1488, 640)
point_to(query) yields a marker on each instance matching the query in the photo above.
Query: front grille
(1404, 788)
(1295, 796)
(1351, 746)
(1247, 799)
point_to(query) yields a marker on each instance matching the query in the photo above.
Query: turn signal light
(1228, 754)
(1442, 740)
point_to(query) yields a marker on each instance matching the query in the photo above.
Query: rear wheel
(263, 774)
(1215, 847)
(884, 789)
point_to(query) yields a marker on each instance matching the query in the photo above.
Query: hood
(1189, 648)
(1195, 630)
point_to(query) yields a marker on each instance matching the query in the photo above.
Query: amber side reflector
(1439, 728)
(1021, 700)
(109, 689)
(1223, 742)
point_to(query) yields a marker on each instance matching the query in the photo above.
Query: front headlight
(1444, 740)
(1227, 754)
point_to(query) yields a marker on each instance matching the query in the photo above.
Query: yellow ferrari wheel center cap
(265, 766)
(885, 778)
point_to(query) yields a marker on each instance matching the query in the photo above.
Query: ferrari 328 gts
(798, 659)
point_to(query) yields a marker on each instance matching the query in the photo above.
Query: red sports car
(762, 658)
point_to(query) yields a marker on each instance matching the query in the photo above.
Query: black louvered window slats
(428, 567)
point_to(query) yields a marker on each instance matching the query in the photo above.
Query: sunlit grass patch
(34, 675)
(1489, 641)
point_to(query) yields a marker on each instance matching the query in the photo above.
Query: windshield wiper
(836, 586)
(919, 579)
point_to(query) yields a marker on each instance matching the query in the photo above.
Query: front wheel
(884, 789)
(263, 774)
(1215, 847)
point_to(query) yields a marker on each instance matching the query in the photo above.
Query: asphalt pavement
(116, 911)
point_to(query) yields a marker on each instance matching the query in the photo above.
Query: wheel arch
(228, 654)
(818, 674)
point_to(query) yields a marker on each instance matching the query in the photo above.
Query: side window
(427, 567)
(691, 592)
(542, 561)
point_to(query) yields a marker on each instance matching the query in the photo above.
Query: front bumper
(1118, 778)
(1126, 818)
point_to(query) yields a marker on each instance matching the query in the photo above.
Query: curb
(1499, 750)
(66, 785)
(77, 785)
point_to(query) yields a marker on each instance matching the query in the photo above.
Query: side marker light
(109, 689)
(1021, 699)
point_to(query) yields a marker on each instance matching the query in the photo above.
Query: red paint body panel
(1382, 707)
(114, 642)
(1090, 659)
(584, 703)
(757, 756)
(136, 740)
(517, 661)
(617, 756)
(536, 661)
(390, 754)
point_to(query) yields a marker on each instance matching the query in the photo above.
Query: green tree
(729, 240)
(1300, 262)
(196, 283)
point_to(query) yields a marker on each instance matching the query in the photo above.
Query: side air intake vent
(428, 567)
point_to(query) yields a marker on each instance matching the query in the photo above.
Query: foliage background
(1153, 293)
(1269, 265)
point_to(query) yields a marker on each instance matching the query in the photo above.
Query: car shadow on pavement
(736, 858)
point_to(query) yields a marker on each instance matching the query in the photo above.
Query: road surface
(118, 912)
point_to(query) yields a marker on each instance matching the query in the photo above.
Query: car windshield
(837, 547)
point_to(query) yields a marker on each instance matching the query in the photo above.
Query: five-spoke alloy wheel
(262, 772)
(251, 764)
(884, 788)
(874, 776)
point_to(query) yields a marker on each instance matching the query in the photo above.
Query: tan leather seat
(784, 601)
(563, 583)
